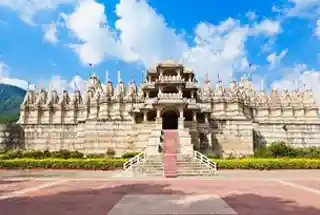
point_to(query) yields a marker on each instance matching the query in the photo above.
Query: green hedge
(65, 154)
(94, 164)
(269, 163)
(114, 163)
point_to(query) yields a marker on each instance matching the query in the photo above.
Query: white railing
(205, 160)
(133, 161)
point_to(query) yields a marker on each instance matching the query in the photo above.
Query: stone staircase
(170, 153)
(170, 163)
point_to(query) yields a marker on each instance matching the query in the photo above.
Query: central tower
(170, 90)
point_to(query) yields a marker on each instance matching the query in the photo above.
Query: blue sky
(57, 39)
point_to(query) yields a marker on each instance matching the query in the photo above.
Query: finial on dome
(262, 85)
(206, 79)
(119, 77)
(218, 78)
(107, 77)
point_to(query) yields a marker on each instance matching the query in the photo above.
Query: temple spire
(262, 85)
(119, 76)
(218, 78)
(107, 77)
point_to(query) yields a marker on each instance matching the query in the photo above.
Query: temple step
(170, 154)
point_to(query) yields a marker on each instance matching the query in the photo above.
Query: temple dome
(170, 63)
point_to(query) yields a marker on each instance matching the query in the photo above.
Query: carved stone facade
(122, 118)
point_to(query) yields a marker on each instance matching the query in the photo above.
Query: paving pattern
(243, 196)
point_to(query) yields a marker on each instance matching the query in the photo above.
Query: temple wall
(298, 134)
(89, 137)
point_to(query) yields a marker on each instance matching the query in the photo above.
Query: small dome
(170, 63)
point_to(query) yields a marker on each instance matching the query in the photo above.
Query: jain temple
(133, 118)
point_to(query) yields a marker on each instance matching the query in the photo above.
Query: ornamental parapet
(170, 96)
(191, 85)
(148, 85)
(170, 79)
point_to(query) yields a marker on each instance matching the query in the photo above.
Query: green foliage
(55, 163)
(96, 155)
(10, 99)
(37, 154)
(114, 163)
(269, 163)
(263, 152)
(282, 149)
(9, 118)
(129, 154)
(211, 156)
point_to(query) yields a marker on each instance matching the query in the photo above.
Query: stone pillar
(194, 116)
(209, 136)
(192, 94)
(145, 116)
(147, 94)
(181, 113)
(158, 119)
(206, 117)
(134, 118)
(181, 119)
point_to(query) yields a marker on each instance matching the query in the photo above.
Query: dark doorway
(170, 120)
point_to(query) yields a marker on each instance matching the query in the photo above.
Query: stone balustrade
(170, 96)
(170, 79)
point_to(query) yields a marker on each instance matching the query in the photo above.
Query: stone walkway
(119, 174)
(97, 192)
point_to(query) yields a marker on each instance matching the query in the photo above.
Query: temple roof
(170, 63)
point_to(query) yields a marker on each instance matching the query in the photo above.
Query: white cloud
(146, 33)
(275, 59)
(303, 8)
(50, 33)
(267, 27)
(302, 77)
(5, 79)
(142, 35)
(29, 8)
(89, 24)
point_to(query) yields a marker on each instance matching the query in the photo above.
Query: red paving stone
(11, 186)
(98, 197)
(314, 184)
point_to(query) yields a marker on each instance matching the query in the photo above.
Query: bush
(96, 155)
(282, 149)
(263, 152)
(37, 154)
(129, 155)
(270, 163)
(211, 155)
(114, 163)
(94, 164)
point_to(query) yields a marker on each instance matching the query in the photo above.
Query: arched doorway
(170, 120)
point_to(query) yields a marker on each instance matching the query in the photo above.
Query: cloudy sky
(269, 40)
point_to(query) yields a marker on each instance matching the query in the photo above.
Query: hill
(10, 99)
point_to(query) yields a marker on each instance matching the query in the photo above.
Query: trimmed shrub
(94, 164)
(117, 163)
(129, 155)
(270, 163)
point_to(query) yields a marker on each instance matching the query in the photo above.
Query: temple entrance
(170, 120)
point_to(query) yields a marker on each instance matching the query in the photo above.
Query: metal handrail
(133, 161)
(205, 160)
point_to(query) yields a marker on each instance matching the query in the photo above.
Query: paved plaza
(231, 192)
